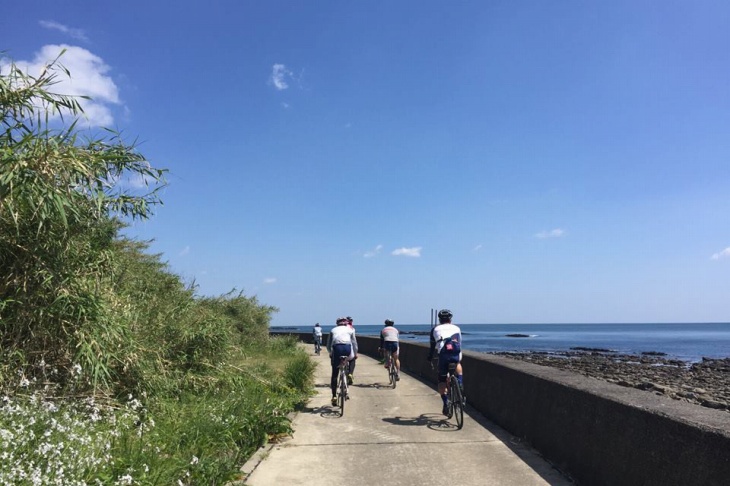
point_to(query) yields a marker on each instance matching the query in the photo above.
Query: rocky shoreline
(706, 383)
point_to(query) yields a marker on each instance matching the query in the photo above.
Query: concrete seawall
(597, 432)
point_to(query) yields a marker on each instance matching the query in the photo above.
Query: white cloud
(184, 251)
(285, 105)
(477, 248)
(555, 233)
(279, 76)
(75, 33)
(414, 252)
(723, 254)
(270, 280)
(88, 78)
(375, 251)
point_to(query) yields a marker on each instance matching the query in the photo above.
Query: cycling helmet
(389, 322)
(341, 320)
(445, 315)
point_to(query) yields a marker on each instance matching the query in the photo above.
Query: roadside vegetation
(112, 369)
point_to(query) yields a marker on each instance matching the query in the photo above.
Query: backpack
(452, 345)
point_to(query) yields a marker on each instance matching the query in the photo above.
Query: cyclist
(340, 342)
(389, 341)
(351, 372)
(446, 342)
(317, 337)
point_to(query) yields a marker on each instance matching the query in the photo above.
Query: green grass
(201, 435)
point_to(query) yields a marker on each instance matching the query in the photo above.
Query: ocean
(687, 342)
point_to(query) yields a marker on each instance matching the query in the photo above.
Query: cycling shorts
(391, 346)
(339, 350)
(445, 359)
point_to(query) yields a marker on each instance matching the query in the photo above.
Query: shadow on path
(431, 420)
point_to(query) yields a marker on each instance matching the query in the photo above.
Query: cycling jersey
(342, 335)
(441, 333)
(389, 333)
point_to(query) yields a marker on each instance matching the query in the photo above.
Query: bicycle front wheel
(393, 372)
(457, 403)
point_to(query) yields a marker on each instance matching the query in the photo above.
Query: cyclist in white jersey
(340, 342)
(317, 336)
(446, 343)
(353, 361)
(389, 340)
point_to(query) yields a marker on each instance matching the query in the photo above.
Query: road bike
(342, 395)
(390, 365)
(456, 400)
(456, 397)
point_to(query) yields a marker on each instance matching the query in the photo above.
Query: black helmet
(445, 315)
(389, 322)
(341, 320)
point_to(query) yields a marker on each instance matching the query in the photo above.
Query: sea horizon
(689, 342)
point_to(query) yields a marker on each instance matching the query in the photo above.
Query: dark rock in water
(417, 333)
(653, 353)
(595, 350)
(518, 335)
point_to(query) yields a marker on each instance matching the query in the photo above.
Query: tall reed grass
(113, 370)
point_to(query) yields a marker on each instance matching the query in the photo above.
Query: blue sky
(516, 162)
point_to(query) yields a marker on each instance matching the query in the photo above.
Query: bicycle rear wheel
(392, 372)
(388, 363)
(457, 402)
(342, 392)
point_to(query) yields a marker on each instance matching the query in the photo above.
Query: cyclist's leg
(333, 380)
(351, 370)
(443, 368)
(337, 351)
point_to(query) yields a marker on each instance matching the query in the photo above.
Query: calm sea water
(688, 342)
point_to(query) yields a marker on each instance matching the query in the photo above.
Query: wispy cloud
(270, 280)
(285, 105)
(70, 31)
(375, 251)
(184, 251)
(723, 254)
(279, 76)
(555, 233)
(477, 248)
(89, 77)
(414, 252)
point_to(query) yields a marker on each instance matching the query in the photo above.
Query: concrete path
(394, 437)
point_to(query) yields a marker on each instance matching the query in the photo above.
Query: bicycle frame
(392, 370)
(342, 384)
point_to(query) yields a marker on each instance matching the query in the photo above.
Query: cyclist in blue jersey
(340, 342)
(446, 344)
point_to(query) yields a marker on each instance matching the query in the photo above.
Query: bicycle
(456, 400)
(342, 384)
(392, 370)
(317, 345)
(456, 397)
